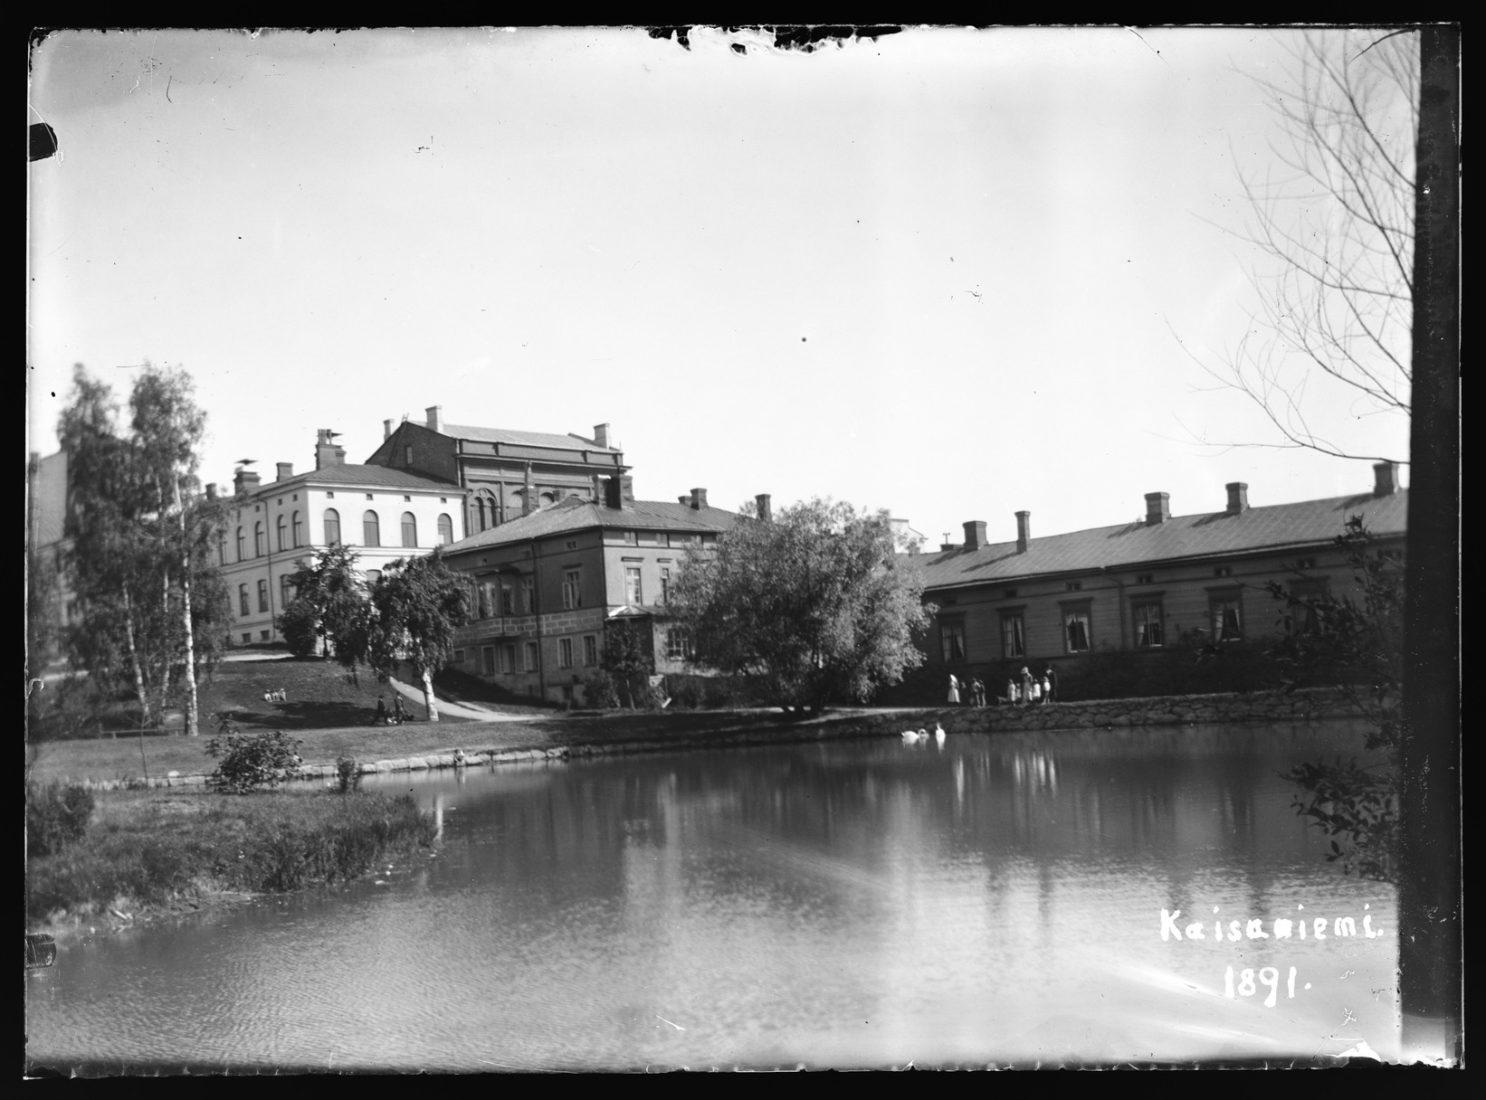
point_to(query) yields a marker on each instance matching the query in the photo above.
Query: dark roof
(569, 442)
(575, 514)
(1308, 523)
(371, 477)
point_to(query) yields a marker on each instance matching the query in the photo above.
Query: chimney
(435, 418)
(528, 494)
(327, 451)
(387, 429)
(627, 488)
(601, 435)
(1385, 479)
(285, 471)
(1023, 531)
(244, 480)
(699, 498)
(211, 490)
(1157, 508)
(613, 492)
(684, 498)
(1238, 497)
(975, 534)
(764, 507)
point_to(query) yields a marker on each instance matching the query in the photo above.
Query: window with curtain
(1148, 618)
(332, 527)
(1013, 634)
(1076, 631)
(371, 529)
(446, 529)
(1227, 617)
(952, 639)
(409, 529)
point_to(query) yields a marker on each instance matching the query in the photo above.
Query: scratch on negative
(662, 1019)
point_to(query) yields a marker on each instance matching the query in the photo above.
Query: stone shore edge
(1306, 705)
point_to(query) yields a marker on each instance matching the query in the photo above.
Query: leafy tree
(809, 607)
(140, 540)
(330, 604)
(1354, 642)
(628, 658)
(249, 762)
(417, 606)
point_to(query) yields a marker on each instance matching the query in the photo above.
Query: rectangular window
(572, 589)
(633, 593)
(1303, 615)
(242, 601)
(487, 660)
(1076, 631)
(564, 653)
(631, 538)
(665, 585)
(1013, 634)
(1075, 586)
(1227, 616)
(1223, 571)
(678, 643)
(952, 639)
(527, 604)
(1145, 578)
(508, 658)
(507, 599)
(286, 592)
(459, 656)
(590, 650)
(531, 656)
(263, 595)
(1148, 618)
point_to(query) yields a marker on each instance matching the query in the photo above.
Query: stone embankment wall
(1172, 710)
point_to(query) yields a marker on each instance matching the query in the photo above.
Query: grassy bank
(147, 852)
(106, 758)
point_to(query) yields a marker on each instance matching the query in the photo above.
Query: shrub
(348, 772)
(600, 689)
(56, 816)
(300, 625)
(250, 762)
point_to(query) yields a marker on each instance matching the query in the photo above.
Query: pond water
(996, 900)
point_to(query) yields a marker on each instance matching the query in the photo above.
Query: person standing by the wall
(1050, 683)
(1026, 685)
(954, 690)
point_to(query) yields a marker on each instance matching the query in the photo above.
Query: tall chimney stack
(244, 480)
(1023, 531)
(528, 494)
(435, 418)
(387, 429)
(1238, 497)
(285, 471)
(975, 534)
(763, 506)
(699, 498)
(601, 435)
(211, 490)
(327, 451)
(1385, 479)
(613, 492)
(1157, 508)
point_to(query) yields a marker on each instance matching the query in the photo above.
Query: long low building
(1146, 585)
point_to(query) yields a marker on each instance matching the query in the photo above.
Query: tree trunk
(428, 697)
(191, 728)
(141, 689)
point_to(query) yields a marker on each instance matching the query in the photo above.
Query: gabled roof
(1276, 526)
(361, 477)
(569, 442)
(575, 514)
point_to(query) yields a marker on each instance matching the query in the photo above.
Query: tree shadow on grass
(306, 716)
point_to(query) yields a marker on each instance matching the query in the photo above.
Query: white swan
(909, 737)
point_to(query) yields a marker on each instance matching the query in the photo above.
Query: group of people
(1026, 688)
(395, 717)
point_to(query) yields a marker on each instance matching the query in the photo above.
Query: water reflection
(863, 903)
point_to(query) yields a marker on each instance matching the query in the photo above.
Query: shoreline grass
(153, 853)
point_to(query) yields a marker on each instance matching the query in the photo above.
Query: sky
(950, 273)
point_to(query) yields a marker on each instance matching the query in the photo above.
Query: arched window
(222, 548)
(297, 531)
(446, 529)
(282, 528)
(409, 529)
(239, 544)
(258, 539)
(332, 527)
(480, 523)
(371, 529)
(548, 499)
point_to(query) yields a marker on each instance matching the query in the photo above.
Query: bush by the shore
(154, 849)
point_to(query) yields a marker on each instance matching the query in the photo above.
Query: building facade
(545, 587)
(1145, 586)
(273, 529)
(508, 474)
